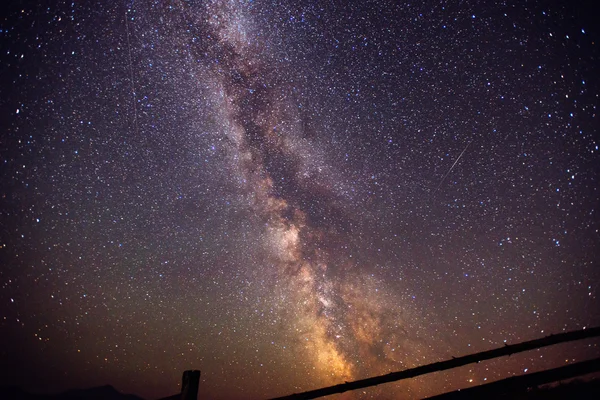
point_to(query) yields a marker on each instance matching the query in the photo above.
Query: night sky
(293, 194)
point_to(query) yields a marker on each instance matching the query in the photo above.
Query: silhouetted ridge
(106, 392)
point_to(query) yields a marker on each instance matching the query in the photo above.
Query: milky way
(296, 194)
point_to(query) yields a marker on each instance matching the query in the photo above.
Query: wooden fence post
(189, 385)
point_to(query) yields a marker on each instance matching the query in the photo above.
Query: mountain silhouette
(106, 392)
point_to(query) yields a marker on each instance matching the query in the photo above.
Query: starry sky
(292, 194)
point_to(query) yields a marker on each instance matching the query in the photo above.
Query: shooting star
(451, 168)
(132, 80)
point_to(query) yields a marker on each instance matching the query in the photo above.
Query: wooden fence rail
(505, 387)
(507, 350)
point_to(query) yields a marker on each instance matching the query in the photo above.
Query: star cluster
(288, 195)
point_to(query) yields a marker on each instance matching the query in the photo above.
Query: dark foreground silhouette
(585, 390)
(99, 393)
(574, 390)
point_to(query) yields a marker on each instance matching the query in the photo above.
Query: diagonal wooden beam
(516, 384)
(507, 350)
